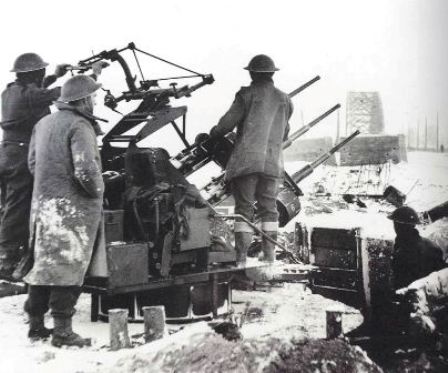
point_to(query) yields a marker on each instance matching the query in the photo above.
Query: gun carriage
(158, 243)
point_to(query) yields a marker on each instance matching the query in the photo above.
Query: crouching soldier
(260, 114)
(414, 256)
(66, 209)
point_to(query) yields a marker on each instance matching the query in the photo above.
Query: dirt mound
(323, 356)
(213, 354)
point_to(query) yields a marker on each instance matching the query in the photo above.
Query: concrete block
(310, 149)
(373, 149)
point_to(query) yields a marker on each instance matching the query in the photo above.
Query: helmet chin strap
(85, 105)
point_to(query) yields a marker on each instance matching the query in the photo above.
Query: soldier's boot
(242, 243)
(63, 334)
(37, 330)
(24, 266)
(9, 257)
(269, 247)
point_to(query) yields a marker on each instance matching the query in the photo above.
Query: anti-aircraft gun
(158, 243)
(157, 231)
(157, 226)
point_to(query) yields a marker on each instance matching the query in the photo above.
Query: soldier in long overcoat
(260, 113)
(66, 209)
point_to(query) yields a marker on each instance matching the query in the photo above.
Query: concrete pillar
(118, 322)
(334, 323)
(154, 317)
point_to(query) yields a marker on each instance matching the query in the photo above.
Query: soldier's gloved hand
(200, 138)
(97, 67)
(61, 69)
(108, 175)
(213, 132)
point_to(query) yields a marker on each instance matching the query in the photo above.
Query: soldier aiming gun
(260, 113)
(24, 102)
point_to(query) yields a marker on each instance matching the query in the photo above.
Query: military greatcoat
(67, 198)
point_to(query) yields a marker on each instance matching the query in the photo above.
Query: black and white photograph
(224, 186)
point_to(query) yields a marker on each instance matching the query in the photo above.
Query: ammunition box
(127, 265)
(113, 225)
(199, 229)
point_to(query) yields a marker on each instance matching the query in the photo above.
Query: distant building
(373, 146)
(364, 113)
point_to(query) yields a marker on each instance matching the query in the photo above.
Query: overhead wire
(168, 62)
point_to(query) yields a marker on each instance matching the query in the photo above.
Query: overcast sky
(398, 48)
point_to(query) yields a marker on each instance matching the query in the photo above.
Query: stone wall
(373, 149)
(310, 149)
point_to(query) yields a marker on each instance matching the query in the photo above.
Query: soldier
(414, 256)
(66, 209)
(260, 114)
(24, 103)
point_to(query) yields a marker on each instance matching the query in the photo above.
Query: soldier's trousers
(60, 299)
(17, 188)
(257, 190)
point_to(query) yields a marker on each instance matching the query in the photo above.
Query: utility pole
(408, 142)
(426, 133)
(338, 127)
(346, 116)
(418, 134)
(437, 132)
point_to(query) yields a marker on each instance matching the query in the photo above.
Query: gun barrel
(308, 169)
(307, 127)
(304, 86)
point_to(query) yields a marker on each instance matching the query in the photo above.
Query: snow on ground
(424, 179)
(284, 311)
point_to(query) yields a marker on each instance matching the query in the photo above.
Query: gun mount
(154, 108)
(158, 246)
(157, 230)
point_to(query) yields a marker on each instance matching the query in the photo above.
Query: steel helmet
(405, 215)
(78, 87)
(261, 64)
(28, 62)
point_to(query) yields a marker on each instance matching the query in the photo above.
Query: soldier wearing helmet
(414, 256)
(66, 209)
(24, 102)
(260, 114)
